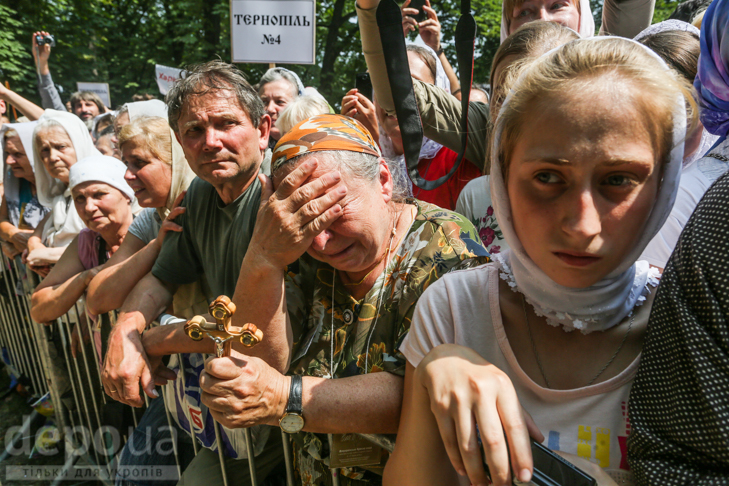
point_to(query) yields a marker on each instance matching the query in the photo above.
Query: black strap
(389, 21)
(294, 404)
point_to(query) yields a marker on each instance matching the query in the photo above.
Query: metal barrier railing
(31, 351)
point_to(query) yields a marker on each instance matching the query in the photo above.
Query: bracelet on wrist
(456, 91)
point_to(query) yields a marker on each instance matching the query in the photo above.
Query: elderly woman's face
(149, 177)
(354, 242)
(564, 12)
(100, 205)
(17, 159)
(56, 152)
(275, 96)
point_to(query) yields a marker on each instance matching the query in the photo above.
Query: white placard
(100, 89)
(166, 77)
(273, 31)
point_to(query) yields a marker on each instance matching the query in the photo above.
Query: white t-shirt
(591, 422)
(695, 181)
(475, 204)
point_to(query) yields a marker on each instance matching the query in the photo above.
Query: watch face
(291, 423)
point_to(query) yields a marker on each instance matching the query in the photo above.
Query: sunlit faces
(101, 206)
(219, 139)
(149, 177)
(275, 96)
(565, 12)
(356, 240)
(56, 152)
(85, 110)
(582, 180)
(17, 159)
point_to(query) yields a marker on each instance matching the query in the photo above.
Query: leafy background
(120, 41)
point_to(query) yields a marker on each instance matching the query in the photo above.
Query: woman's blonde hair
(153, 132)
(299, 110)
(10, 133)
(593, 66)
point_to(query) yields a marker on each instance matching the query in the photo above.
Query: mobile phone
(418, 5)
(363, 83)
(551, 469)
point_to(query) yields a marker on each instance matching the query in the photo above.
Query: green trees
(120, 41)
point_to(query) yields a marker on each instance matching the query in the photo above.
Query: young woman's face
(17, 159)
(564, 12)
(56, 152)
(101, 206)
(582, 181)
(148, 176)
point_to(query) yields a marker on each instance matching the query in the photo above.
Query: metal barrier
(40, 356)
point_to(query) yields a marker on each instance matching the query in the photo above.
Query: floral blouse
(475, 204)
(368, 332)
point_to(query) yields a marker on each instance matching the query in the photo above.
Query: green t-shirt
(213, 241)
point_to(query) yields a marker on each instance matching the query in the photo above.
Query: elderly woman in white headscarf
(159, 175)
(59, 140)
(20, 212)
(277, 88)
(103, 200)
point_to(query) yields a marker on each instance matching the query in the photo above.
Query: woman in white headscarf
(130, 111)
(159, 175)
(20, 212)
(103, 200)
(587, 156)
(60, 139)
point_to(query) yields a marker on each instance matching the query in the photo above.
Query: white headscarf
(11, 183)
(64, 223)
(607, 302)
(146, 108)
(587, 23)
(100, 168)
(707, 139)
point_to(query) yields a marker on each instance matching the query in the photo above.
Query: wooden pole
(15, 113)
(271, 65)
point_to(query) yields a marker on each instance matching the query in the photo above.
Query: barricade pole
(286, 441)
(67, 360)
(7, 324)
(24, 306)
(251, 457)
(13, 323)
(221, 455)
(185, 409)
(97, 357)
(84, 403)
(174, 441)
(334, 471)
(93, 390)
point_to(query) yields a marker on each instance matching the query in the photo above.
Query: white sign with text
(166, 77)
(273, 31)
(100, 89)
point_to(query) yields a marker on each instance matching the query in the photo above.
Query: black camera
(43, 40)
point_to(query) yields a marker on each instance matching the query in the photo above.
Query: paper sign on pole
(273, 31)
(100, 89)
(166, 77)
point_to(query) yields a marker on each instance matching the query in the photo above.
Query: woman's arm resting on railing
(60, 290)
(10, 233)
(126, 267)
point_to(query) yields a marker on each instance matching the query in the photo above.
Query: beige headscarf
(182, 176)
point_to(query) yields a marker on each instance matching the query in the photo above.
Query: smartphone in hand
(363, 83)
(418, 5)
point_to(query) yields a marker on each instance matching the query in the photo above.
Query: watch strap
(294, 404)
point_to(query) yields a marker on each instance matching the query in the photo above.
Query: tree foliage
(120, 41)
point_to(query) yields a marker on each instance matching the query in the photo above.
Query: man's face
(218, 138)
(86, 110)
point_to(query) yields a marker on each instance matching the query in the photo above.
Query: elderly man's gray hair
(274, 74)
(209, 77)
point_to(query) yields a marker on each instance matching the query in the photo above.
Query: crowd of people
(566, 285)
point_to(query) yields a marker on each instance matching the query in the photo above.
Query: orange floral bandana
(323, 132)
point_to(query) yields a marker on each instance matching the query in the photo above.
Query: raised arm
(26, 107)
(626, 18)
(46, 88)
(63, 286)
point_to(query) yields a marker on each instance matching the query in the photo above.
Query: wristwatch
(292, 421)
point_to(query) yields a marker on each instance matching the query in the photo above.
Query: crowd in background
(565, 286)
